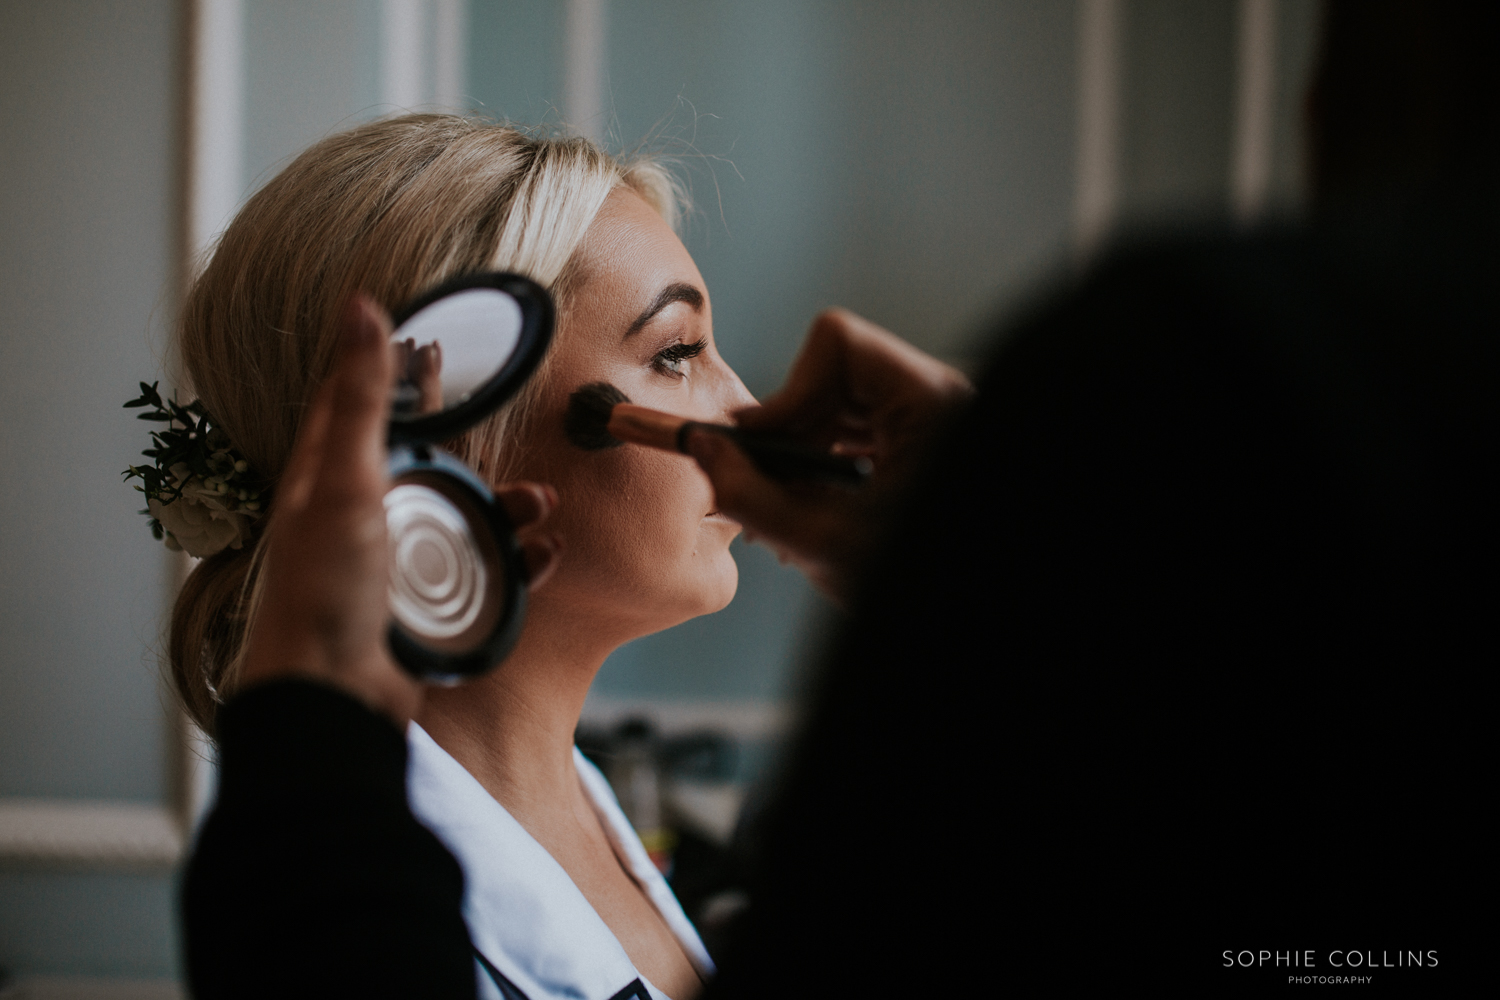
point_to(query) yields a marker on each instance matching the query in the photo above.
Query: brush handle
(776, 455)
(784, 458)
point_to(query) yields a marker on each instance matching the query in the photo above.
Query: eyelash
(668, 361)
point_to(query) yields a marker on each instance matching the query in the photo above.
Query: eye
(673, 360)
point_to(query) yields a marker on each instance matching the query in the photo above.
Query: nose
(732, 394)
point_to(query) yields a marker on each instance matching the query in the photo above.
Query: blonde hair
(389, 208)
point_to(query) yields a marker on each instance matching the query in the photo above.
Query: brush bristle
(588, 413)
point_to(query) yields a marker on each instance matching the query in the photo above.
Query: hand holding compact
(324, 613)
(856, 389)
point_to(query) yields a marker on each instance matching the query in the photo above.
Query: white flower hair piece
(201, 494)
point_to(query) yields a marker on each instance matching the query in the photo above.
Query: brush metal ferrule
(643, 425)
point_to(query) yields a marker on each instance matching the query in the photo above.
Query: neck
(513, 729)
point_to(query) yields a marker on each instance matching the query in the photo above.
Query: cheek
(635, 521)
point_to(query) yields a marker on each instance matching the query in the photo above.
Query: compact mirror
(457, 590)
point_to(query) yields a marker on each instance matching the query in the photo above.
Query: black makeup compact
(457, 591)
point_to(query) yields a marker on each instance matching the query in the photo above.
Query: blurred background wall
(929, 165)
(88, 187)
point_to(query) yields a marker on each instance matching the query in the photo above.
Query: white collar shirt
(524, 913)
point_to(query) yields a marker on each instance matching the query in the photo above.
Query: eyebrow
(678, 292)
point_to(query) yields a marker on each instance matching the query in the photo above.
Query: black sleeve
(311, 877)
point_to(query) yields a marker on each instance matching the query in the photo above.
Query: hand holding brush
(853, 386)
(601, 416)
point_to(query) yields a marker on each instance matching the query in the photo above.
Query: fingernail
(541, 552)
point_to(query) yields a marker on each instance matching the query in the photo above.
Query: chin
(728, 584)
(715, 586)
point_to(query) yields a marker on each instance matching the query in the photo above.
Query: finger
(427, 361)
(354, 452)
(526, 504)
(300, 474)
(814, 386)
(750, 416)
(542, 553)
(852, 368)
(845, 361)
(763, 506)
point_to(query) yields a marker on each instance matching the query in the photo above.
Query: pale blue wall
(98, 924)
(87, 173)
(310, 69)
(515, 59)
(86, 208)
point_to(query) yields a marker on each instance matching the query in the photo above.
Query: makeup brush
(601, 416)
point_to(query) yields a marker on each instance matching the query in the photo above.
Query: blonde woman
(560, 898)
